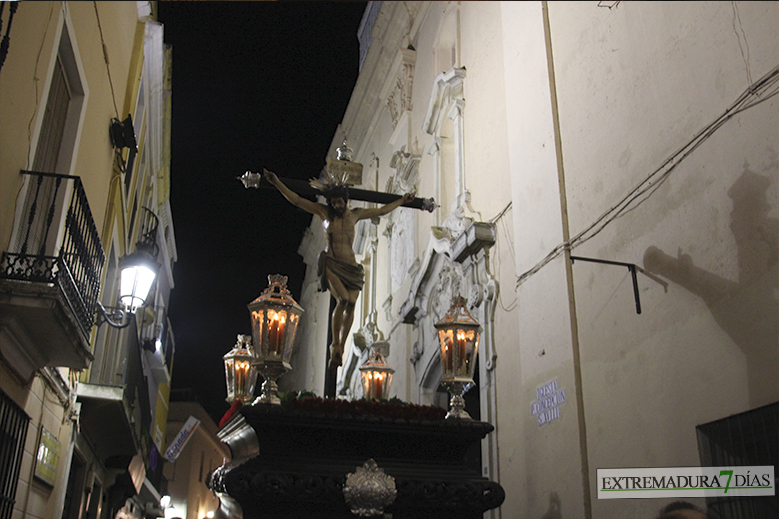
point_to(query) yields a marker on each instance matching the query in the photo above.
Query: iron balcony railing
(13, 433)
(56, 241)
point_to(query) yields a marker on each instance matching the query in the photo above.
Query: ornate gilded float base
(291, 463)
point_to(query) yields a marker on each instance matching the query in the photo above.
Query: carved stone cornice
(476, 237)
(448, 86)
(399, 97)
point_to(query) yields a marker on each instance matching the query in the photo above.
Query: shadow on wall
(746, 310)
(554, 508)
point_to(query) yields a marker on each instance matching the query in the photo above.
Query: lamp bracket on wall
(123, 134)
(632, 267)
(114, 316)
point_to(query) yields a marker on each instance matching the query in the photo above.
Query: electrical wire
(105, 58)
(35, 80)
(762, 90)
(498, 221)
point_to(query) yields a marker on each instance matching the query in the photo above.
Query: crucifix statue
(338, 270)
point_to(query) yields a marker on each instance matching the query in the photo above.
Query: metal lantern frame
(458, 336)
(240, 373)
(376, 376)
(275, 317)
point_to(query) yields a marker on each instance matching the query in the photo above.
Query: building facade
(606, 182)
(84, 182)
(187, 475)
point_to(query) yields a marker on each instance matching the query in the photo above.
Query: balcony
(50, 277)
(115, 408)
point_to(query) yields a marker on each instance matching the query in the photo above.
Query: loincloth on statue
(351, 275)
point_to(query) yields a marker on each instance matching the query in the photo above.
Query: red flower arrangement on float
(393, 409)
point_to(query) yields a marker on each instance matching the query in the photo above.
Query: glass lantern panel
(467, 343)
(277, 322)
(230, 379)
(242, 369)
(289, 336)
(446, 338)
(387, 386)
(376, 384)
(367, 384)
(258, 330)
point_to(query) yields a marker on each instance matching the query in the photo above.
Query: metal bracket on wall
(632, 267)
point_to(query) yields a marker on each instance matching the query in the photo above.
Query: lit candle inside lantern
(273, 333)
(379, 378)
(280, 334)
(460, 349)
(240, 378)
(449, 355)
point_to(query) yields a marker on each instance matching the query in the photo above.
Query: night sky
(255, 84)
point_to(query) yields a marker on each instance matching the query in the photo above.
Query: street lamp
(275, 317)
(458, 335)
(138, 272)
(240, 375)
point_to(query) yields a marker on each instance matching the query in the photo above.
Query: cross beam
(303, 188)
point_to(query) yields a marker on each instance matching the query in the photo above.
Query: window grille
(13, 433)
(749, 438)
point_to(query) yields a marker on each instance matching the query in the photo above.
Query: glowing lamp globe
(138, 271)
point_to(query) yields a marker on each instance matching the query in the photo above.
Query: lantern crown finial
(277, 280)
(458, 314)
(276, 293)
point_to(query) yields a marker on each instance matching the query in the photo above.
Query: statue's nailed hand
(271, 177)
(408, 197)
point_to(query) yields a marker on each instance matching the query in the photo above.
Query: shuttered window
(53, 127)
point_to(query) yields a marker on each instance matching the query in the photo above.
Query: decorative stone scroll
(399, 98)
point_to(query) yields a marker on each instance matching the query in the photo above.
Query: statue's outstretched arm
(372, 212)
(294, 198)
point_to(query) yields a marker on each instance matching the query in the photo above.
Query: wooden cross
(303, 188)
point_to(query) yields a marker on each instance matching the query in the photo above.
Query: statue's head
(337, 199)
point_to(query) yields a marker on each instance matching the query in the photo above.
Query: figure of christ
(339, 271)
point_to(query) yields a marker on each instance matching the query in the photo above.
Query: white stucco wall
(633, 84)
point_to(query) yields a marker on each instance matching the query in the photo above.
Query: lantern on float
(376, 377)
(240, 375)
(458, 335)
(275, 317)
